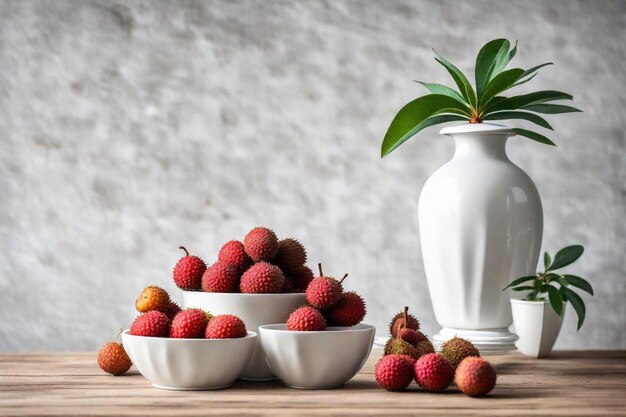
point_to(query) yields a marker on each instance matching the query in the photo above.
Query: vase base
(488, 341)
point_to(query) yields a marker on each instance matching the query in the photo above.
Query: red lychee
(262, 278)
(324, 292)
(188, 272)
(475, 376)
(151, 324)
(349, 310)
(288, 287)
(261, 244)
(409, 335)
(425, 346)
(306, 319)
(113, 359)
(433, 372)
(394, 372)
(301, 278)
(234, 254)
(291, 255)
(226, 326)
(402, 320)
(189, 324)
(220, 277)
(172, 310)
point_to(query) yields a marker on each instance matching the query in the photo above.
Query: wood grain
(575, 383)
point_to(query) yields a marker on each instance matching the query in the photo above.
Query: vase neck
(481, 145)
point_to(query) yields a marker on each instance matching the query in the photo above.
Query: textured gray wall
(128, 128)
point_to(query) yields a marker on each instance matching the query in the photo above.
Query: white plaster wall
(129, 128)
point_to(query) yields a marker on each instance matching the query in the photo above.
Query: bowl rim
(244, 295)
(249, 335)
(282, 328)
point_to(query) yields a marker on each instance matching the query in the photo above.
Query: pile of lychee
(327, 305)
(409, 355)
(161, 317)
(261, 264)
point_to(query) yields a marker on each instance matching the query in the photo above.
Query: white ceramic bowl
(316, 360)
(189, 364)
(255, 310)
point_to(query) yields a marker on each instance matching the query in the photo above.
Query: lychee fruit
(402, 320)
(457, 349)
(409, 335)
(189, 324)
(261, 244)
(400, 347)
(288, 287)
(151, 324)
(188, 272)
(172, 310)
(306, 319)
(433, 372)
(113, 359)
(220, 277)
(394, 372)
(262, 278)
(324, 292)
(152, 298)
(291, 255)
(234, 254)
(301, 278)
(226, 326)
(423, 347)
(349, 310)
(475, 376)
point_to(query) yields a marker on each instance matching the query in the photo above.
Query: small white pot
(537, 326)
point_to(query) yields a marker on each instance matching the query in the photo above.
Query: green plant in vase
(483, 101)
(554, 286)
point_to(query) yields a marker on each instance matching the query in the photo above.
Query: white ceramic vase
(537, 326)
(481, 225)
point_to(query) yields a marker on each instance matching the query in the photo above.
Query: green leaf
(459, 78)
(534, 136)
(523, 81)
(566, 256)
(546, 260)
(486, 62)
(562, 281)
(523, 288)
(579, 282)
(500, 83)
(551, 108)
(445, 90)
(578, 304)
(555, 300)
(551, 276)
(517, 102)
(416, 116)
(513, 52)
(506, 115)
(502, 59)
(535, 68)
(519, 281)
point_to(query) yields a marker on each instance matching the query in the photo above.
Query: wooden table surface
(569, 383)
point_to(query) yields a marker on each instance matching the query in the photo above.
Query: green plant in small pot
(538, 317)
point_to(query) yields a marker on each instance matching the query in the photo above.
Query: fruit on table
(291, 255)
(324, 292)
(409, 335)
(262, 278)
(220, 277)
(152, 298)
(306, 318)
(401, 320)
(234, 254)
(188, 271)
(394, 372)
(225, 326)
(172, 310)
(424, 347)
(475, 376)
(400, 347)
(349, 310)
(457, 349)
(189, 324)
(151, 324)
(113, 359)
(261, 244)
(433, 372)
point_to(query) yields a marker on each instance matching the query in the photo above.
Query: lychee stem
(344, 277)
(319, 266)
(406, 317)
(118, 334)
(183, 248)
